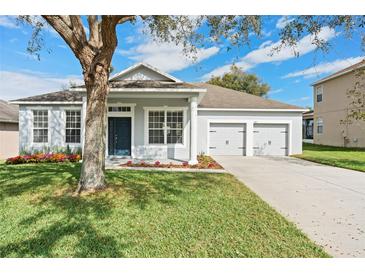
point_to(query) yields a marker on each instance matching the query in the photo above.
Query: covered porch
(151, 126)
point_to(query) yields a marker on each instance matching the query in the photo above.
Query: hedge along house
(153, 115)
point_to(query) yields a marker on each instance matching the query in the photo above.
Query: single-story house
(153, 115)
(9, 133)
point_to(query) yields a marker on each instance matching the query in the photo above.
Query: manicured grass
(350, 158)
(141, 214)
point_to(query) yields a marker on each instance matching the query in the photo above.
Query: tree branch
(94, 27)
(74, 36)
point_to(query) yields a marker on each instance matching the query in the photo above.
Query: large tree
(239, 80)
(95, 52)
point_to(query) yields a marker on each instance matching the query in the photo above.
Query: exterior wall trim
(253, 109)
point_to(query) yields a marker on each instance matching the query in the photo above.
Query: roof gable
(143, 71)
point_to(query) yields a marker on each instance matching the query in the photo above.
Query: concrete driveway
(327, 203)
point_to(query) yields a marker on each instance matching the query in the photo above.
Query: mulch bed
(204, 162)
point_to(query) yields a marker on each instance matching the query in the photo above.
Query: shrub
(43, 158)
(185, 164)
(157, 163)
(129, 163)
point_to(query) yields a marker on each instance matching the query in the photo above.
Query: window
(40, 126)
(165, 127)
(119, 109)
(319, 126)
(73, 126)
(319, 93)
(174, 127)
(156, 122)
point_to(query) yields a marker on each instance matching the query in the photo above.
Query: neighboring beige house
(331, 105)
(9, 130)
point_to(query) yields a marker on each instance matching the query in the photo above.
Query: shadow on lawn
(145, 187)
(62, 217)
(76, 223)
(18, 179)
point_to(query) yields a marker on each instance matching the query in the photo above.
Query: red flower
(157, 163)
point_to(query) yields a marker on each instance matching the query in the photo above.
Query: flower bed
(43, 158)
(204, 162)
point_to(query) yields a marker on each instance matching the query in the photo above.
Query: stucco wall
(56, 128)
(9, 140)
(334, 108)
(294, 118)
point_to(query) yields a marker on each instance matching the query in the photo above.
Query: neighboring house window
(319, 126)
(40, 126)
(165, 127)
(319, 93)
(73, 126)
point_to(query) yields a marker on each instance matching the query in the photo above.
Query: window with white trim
(319, 94)
(319, 126)
(40, 126)
(119, 109)
(174, 127)
(73, 126)
(165, 126)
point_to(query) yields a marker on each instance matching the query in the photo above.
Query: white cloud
(8, 22)
(283, 21)
(328, 67)
(166, 56)
(15, 85)
(265, 44)
(267, 54)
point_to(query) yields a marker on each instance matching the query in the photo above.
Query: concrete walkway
(327, 203)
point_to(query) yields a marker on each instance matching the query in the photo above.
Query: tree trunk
(92, 175)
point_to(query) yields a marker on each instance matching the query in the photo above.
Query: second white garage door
(227, 139)
(270, 139)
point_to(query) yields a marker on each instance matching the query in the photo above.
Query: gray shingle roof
(58, 96)
(219, 97)
(147, 84)
(8, 113)
(215, 97)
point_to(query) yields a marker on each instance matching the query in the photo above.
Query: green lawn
(350, 158)
(141, 214)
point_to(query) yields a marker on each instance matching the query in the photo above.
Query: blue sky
(290, 77)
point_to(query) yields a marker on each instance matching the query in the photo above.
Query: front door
(119, 136)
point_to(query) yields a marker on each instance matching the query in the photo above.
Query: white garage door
(227, 139)
(270, 139)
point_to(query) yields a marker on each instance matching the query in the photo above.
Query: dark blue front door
(119, 137)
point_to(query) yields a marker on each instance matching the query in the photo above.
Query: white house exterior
(153, 115)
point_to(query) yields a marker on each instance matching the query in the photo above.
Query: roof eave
(46, 102)
(256, 109)
(167, 90)
(335, 75)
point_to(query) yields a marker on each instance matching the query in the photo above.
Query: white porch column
(193, 130)
(249, 138)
